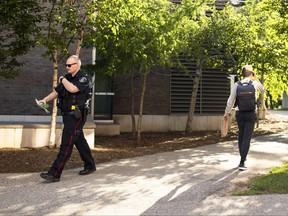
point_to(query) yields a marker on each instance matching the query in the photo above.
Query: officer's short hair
(76, 58)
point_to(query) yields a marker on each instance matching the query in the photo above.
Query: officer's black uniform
(74, 111)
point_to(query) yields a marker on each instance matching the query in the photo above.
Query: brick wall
(18, 95)
(157, 96)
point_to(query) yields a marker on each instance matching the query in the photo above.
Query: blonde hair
(247, 70)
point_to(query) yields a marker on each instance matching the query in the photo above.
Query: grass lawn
(274, 182)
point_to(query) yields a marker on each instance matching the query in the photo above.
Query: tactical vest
(67, 101)
(70, 100)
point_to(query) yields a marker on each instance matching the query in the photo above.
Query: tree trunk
(52, 142)
(132, 104)
(80, 40)
(261, 108)
(144, 81)
(194, 96)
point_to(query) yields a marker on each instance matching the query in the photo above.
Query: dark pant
(72, 134)
(246, 123)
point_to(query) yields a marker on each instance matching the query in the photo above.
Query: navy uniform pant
(72, 134)
(246, 124)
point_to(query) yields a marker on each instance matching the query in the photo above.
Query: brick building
(166, 102)
(167, 96)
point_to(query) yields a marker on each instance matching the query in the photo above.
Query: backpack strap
(249, 83)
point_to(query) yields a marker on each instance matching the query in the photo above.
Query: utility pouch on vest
(77, 112)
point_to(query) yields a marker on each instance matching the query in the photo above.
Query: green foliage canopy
(134, 34)
(264, 46)
(250, 35)
(18, 29)
(65, 24)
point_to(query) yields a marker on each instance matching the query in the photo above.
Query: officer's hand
(42, 102)
(60, 79)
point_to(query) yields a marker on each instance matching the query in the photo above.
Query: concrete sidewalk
(184, 182)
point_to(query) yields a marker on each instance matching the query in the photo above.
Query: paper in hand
(42, 105)
(224, 127)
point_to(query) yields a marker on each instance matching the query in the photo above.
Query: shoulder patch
(82, 79)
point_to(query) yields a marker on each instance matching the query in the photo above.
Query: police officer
(245, 119)
(73, 94)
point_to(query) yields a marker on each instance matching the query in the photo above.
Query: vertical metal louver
(214, 86)
(213, 91)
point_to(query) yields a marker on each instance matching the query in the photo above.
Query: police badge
(82, 79)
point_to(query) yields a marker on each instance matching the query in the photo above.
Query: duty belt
(68, 113)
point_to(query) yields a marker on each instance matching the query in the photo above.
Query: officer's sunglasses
(69, 65)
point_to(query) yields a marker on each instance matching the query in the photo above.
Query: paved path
(184, 182)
